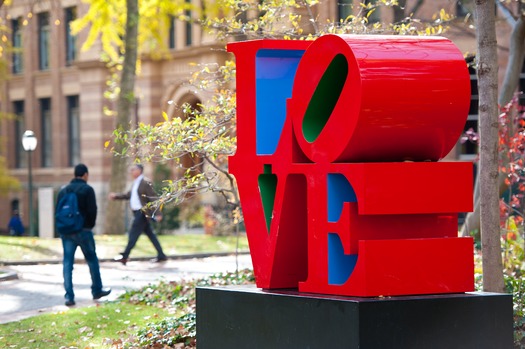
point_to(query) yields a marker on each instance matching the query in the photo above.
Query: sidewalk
(39, 288)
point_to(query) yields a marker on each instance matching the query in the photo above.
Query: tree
(507, 174)
(7, 182)
(507, 90)
(487, 70)
(125, 98)
(110, 24)
(206, 132)
(125, 106)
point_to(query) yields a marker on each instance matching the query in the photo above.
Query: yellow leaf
(106, 144)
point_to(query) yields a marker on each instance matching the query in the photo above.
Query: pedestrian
(87, 206)
(15, 226)
(140, 195)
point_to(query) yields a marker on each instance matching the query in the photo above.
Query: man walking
(87, 207)
(139, 196)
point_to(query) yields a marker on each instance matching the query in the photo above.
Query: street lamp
(29, 143)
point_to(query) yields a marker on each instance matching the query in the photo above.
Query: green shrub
(169, 332)
(516, 286)
(177, 298)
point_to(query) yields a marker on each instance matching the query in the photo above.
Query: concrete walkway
(39, 289)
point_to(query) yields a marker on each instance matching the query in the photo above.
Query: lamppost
(29, 143)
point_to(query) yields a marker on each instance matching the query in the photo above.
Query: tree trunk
(515, 63)
(399, 11)
(508, 88)
(416, 7)
(487, 70)
(125, 108)
(472, 221)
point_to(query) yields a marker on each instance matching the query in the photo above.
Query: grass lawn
(159, 315)
(108, 246)
(100, 326)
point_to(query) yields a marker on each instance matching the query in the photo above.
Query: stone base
(242, 317)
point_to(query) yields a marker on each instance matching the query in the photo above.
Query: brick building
(57, 91)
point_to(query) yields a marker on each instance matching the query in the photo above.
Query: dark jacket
(146, 195)
(15, 225)
(87, 202)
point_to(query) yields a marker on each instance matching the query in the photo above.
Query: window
(521, 87)
(71, 40)
(73, 116)
(474, 98)
(468, 149)
(461, 9)
(18, 58)
(47, 145)
(43, 40)
(189, 26)
(344, 9)
(172, 42)
(20, 154)
(465, 8)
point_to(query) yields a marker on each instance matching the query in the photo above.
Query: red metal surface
(404, 267)
(400, 98)
(404, 98)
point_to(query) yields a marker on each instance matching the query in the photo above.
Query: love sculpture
(337, 164)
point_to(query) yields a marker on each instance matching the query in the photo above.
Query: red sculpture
(336, 164)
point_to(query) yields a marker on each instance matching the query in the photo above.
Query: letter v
(276, 225)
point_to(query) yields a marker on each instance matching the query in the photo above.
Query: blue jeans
(85, 240)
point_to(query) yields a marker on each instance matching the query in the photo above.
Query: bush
(516, 286)
(169, 332)
(178, 298)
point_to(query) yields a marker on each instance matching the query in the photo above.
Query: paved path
(39, 287)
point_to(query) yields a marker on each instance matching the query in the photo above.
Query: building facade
(57, 90)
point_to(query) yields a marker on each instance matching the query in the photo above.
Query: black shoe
(70, 302)
(159, 259)
(121, 259)
(103, 293)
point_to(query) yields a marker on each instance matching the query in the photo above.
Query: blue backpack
(68, 219)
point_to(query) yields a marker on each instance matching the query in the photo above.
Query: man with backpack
(75, 220)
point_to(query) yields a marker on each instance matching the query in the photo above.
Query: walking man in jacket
(87, 206)
(139, 196)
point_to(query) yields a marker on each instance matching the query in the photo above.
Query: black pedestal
(245, 317)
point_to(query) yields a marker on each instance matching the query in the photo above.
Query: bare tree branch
(507, 13)
(312, 18)
(416, 7)
(515, 63)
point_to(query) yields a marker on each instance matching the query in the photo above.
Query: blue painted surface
(339, 192)
(340, 265)
(275, 73)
